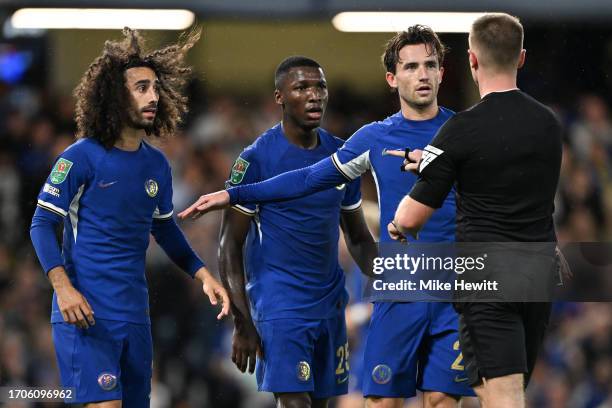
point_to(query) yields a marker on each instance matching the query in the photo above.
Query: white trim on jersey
(351, 207)
(51, 207)
(158, 216)
(375, 176)
(353, 168)
(258, 225)
(246, 211)
(74, 210)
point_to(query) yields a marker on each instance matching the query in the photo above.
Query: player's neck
(419, 113)
(130, 139)
(497, 82)
(304, 138)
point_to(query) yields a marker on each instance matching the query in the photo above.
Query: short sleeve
(165, 207)
(67, 181)
(353, 158)
(352, 197)
(245, 170)
(438, 165)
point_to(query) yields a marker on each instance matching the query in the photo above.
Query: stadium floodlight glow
(381, 22)
(89, 18)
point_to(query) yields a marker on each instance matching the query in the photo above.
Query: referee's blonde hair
(499, 39)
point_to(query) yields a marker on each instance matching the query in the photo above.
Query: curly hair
(102, 98)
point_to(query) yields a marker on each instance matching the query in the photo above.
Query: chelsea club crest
(303, 371)
(151, 187)
(107, 381)
(381, 374)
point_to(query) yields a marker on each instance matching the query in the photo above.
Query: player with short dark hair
(295, 323)
(409, 346)
(504, 154)
(111, 190)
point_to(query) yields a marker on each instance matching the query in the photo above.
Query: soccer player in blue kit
(295, 321)
(112, 190)
(409, 345)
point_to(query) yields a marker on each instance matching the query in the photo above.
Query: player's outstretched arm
(246, 343)
(207, 203)
(292, 184)
(359, 240)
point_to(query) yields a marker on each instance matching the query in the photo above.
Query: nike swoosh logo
(341, 186)
(460, 379)
(343, 380)
(102, 184)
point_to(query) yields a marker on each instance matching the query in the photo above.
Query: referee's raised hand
(411, 158)
(206, 203)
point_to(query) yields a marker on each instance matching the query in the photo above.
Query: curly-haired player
(111, 189)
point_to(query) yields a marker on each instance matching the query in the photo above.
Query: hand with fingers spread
(215, 291)
(411, 158)
(246, 346)
(206, 203)
(72, 304)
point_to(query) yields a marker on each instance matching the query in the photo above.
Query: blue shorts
(111, 360)
(412, 346)
(304, 355)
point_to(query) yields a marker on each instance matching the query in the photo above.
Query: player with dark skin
(302, 93)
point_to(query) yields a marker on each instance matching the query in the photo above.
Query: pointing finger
(396, 153)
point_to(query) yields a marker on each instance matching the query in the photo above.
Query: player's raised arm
(348, 163)
(292, 184)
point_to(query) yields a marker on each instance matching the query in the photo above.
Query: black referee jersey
(505, 156)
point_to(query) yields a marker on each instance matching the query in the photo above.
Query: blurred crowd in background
(192, 350)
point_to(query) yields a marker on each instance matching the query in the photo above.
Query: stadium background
(569, 66)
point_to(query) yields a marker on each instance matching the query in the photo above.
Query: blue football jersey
(363, 151)
(292, 247)
(108, 198)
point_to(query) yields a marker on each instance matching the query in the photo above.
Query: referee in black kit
(504, 153)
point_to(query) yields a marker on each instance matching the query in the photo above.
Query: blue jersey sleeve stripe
(53, 208)
(353, 207)
(243, 210)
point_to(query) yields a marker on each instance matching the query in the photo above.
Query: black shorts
(499, 339)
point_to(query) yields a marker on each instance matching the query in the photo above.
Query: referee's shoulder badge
(60, 171)
(239, 170)
(430, 153)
